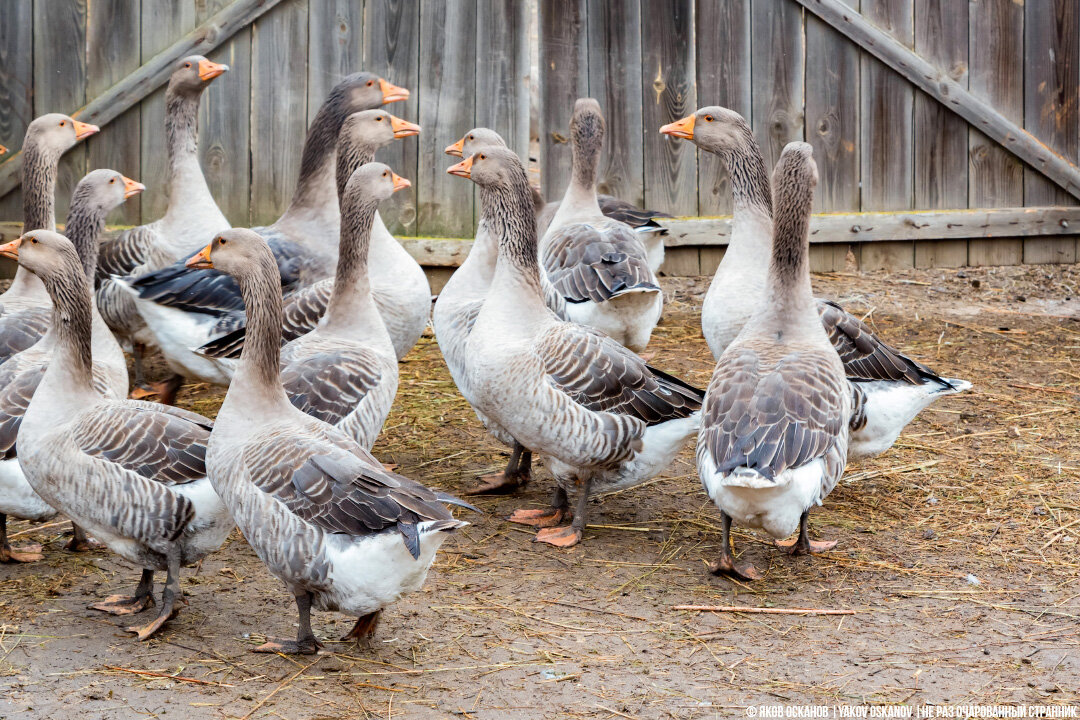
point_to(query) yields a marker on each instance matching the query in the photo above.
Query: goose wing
(585, 263)
(127, 252)
(328, 385)
(20, 328)
(301, 312)
(632, 215)
(770, 418)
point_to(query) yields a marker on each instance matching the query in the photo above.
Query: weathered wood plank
(777, 69)
(995, 76)
(278, 94)
(16, 86)
(392, 49)
(896, 226)
(112, 50)
(834, 257)
(1051, 78)
(709, 258)
(723, 78)
(681, 262)
(668, 93)
(615, 80)
(998, 251)
(832, 115)
(1043, 251)
(941, 253)
(60, 81)
(502, 70)
(564, 77)
(335, 46)
(445, 204)
(980, 114)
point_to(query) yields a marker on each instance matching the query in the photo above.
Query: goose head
(587, 125)
(496, 167)
(45, 253)
(716, 129)
(375, 128)
(102, 190)
(235, 252)
(796, 173)
(55, 133)
(193, 74)
(473, 140)
(363, 91)
(3, 150)
(375, 181)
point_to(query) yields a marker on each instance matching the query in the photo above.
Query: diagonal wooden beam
(153, 74)
(948, 92)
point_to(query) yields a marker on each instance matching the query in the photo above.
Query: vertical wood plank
(564, 77)
(16, 87)
(709, 259)
(996, 75)
(225, 124)
(996, 251)
(502, 70)
(615, 81)
(278, 96)
(1051, 77)
(722, 44)
(777, 70)
(832, 115)
(834, 257)
(392, 49)
(887, 255)
(445, 205)
(1046, 250)
(682, 261)
(60, 80)
(941, 253)
(669, 86)
(112, 51)
(335, 46)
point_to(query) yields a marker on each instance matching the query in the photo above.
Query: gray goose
(599, 265)
(132, 473)
(24, 306)
(186, 309)
(94, 197)
(892, 387)
(322, 514)
(598, 415)
(191, 218)
(777, 412)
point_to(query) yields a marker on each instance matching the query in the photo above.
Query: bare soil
(957, 555)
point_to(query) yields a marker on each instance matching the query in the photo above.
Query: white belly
(752, 501)
(17, 498)
(628, 319)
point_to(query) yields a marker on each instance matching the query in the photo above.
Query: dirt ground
(957, 557)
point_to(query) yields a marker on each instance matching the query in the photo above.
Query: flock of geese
(304, 320)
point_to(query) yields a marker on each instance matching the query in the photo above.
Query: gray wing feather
(330, 385)
(20, 328)
(589, 264)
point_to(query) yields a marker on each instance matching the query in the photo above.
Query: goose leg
(79, 542)
(130, 604)
(547, 517)
(171, 597)
(165, 391)
(570, 535)
(803, 545)
(517, 474)
(138, 351)
(727, 565)
(305, 643)
(364, 629)
(8, 554)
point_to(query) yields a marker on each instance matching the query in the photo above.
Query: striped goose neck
(181, 130)
(320, 149)
(351, 283)
(85, 221)
(351, 154)
(587, 138)
(512, 220)
(746, 169)
(789, 271)
(71, 319)
(260, 286)
(39, 187)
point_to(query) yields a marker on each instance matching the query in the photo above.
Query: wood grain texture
(777, 70)
(995, 75)
(502, 70)
(615, 81)
(445, 204)
(1052, 75)
(668, 93)
(723, 78)
(112, 46)
(941, 253)
(16, 87)
(60, 81)
(335, 47)
(392, 49)
(832, 115)
(564, 77)
(278, 96)
(835, 257)
(999, 251)
(682, 262)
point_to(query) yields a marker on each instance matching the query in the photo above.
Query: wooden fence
(915, 108)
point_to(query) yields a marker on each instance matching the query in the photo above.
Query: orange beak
(392, 93)
(680, 128)
(132, 187)
(403, 128)
(457, 149)
(462, 169)
(400, 183)
(3, 150)
(11, 249)
(201, 260)
(209, 70)
(84, 130)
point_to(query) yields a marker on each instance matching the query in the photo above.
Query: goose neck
(260, 360)
(749, 180)
(512, 221)
(789, 290)
(316, 188)
(72, 327)
(351, 294)
(351, 154)
(39, 188)
(84, 225)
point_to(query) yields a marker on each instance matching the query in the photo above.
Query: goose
(24, 306)
(893, 387)
(777, 412)
(598, 415)
(398, 283)
(191, 217)
(322, 514)
(599, 265)
(94, 197)
(186, 309)
(455, 312)
(131, 472)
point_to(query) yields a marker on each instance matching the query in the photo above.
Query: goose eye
(385, 174)
(378, 119)
(33, 241)
(63, 123)
(708, 118)
(370, 83)
(471, 137)
(221, 241)
(112, 181)
(187, 65)
(483, 157)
